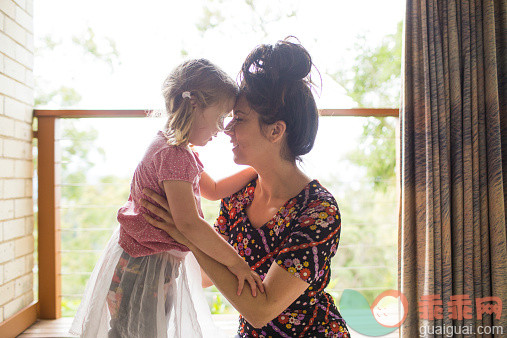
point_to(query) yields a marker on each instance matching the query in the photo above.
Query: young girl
(146, 284)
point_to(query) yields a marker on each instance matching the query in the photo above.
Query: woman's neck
(281, 180)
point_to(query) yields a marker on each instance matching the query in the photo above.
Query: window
(116, 66)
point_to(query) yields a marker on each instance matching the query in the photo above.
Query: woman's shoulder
(314, 201)
(242, 196)
(317, 194)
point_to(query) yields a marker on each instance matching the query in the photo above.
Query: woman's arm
(281, 288)
(181, 201)
(206, 282)
(215, 190)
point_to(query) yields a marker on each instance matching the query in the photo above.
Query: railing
(49, 246)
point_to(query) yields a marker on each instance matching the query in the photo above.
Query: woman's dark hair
(275, 80)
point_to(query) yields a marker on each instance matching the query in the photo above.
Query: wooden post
(48, 220)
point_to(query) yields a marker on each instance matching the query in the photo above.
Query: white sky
(149, 36)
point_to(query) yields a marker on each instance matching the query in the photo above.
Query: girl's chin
(202, 143)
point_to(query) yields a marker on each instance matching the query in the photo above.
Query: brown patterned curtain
(452, 238)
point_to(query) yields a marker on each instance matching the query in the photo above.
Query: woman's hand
(168, 224)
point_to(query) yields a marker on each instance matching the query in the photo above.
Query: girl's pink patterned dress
(160, 162)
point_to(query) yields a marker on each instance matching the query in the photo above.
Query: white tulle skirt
(152, 296)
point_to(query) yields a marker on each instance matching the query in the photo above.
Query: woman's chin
(237, 159)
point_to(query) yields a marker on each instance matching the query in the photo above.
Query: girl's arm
(181, 202)
(215, 190)
(281, 288)
(206, 281)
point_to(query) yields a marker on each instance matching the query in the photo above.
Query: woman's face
(249, 143)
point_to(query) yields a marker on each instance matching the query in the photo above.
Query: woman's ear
(276, 131)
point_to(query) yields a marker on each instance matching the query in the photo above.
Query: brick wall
(16, 169)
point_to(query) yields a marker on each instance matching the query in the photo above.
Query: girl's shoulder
(161, 146)
(165, 154)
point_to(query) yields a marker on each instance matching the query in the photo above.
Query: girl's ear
(276, 131)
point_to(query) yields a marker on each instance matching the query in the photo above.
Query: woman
(282, 217)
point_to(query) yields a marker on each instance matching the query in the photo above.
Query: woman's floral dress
(301, 238)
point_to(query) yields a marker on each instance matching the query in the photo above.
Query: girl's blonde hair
(208, 85)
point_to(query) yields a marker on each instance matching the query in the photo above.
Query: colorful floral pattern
(302, 238)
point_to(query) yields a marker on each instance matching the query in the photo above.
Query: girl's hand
(168, 224)
(243, 272)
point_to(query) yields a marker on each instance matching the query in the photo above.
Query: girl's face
(205, 125)
(249, 143)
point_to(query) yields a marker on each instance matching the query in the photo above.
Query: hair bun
(282, 63)
(292, 60)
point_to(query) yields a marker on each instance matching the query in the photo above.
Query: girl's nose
(229, 128)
